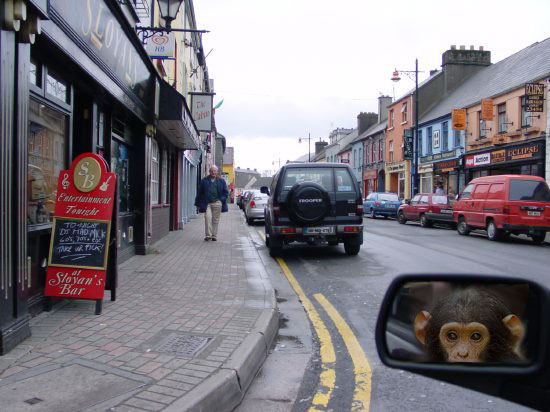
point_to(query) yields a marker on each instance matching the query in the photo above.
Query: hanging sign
(201, 110)
(534, 97)
(161, 45)
(408, 144)
(79, 245)
(487, 109)
(437, 140)
(459, 119)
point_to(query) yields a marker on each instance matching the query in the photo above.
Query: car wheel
(493, 233)
(401, 218)
(463, 228)
(249, 220)
(538, 238)
(351, 250)
(424, 221)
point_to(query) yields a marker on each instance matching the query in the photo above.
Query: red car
(505, 204)
(428, 208)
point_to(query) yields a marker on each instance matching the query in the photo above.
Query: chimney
(460, 64)
(365, 120)
(319, 146)
(383, 103)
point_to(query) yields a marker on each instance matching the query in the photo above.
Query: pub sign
(534, 97)
(408, 144)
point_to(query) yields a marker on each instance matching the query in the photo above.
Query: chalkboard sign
(79, 243)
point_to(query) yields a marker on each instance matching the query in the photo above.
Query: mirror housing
(264, 190)
(408, 201)
(524, 383)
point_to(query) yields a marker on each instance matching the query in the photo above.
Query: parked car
(241, 199)
(427, 208)
(254, 207)
(381, 204)
(503, 205)
(314, 202)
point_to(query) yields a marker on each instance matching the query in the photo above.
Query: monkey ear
(420, 324)
(515, 327)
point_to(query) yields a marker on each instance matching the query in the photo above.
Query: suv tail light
(352, 229)
(287, 230)
(359, 211)
(252, 204)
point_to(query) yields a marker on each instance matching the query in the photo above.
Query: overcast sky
(286, 68)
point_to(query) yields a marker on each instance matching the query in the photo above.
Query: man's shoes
(213, 238)
(207, 238)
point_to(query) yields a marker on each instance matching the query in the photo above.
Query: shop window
(482, 126)
(426, 183)
(165, 182)
(100, 129)
(121, 158)
(502, 126)
(35, 73)
(155, 172)
(47, 143)
(56, 87)
(445, 137)
(525, 115)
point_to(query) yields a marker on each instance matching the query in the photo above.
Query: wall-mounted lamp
(168, 12)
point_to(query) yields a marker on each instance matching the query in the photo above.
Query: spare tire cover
(308, 203)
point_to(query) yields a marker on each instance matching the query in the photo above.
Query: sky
(289, 69)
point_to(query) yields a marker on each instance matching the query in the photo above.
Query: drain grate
(183, 344)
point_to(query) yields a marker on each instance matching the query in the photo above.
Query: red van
(505, 204)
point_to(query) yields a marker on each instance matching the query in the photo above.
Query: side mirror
(264, 190)
(481, 332)
(408, 201)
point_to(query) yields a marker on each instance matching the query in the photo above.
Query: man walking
(212, 201)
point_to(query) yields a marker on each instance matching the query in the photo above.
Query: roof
(422, 83)
(228, 156)
(371, 131)
(530, 64)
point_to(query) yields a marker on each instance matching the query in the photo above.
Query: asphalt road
(355, 287)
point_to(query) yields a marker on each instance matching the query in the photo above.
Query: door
(346, 195)
(478, 204)
(409, 210)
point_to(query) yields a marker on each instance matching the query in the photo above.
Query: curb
(224, 390)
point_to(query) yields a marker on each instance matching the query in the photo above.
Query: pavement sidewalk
(191, 326)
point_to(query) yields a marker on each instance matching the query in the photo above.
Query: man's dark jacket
(201, 201)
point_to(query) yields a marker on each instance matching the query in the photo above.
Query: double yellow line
(362, 370)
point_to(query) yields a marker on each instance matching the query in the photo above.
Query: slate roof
(374, 129)
(529, 64)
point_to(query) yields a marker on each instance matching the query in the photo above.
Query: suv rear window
(531, 190)
(321, 176)
(343, 181)
(440, 200)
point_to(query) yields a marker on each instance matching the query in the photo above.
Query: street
(355, 286)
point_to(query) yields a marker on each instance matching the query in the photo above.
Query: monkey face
(464, 342)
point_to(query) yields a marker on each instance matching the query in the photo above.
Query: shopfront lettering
(73, 210)
(528, 151)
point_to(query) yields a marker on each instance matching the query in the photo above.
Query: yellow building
(228, 171)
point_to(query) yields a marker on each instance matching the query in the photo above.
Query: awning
(175, 121)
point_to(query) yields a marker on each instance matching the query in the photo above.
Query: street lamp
(396, 78)
(168, 12)
(309, 145)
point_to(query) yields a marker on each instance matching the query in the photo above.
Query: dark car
(427, 208)
(314, 202)
(381, 204)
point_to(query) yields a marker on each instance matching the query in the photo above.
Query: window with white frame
(525, 115)
(404, 113)
(164, 181)
(380, 150)
(155, 172)
(502, 126)
(390, 151)
(373, 152)
(482, 126)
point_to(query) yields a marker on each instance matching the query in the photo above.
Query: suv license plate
(318, 230)
(533, 213)
(446, 210)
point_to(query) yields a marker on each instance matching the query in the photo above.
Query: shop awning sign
(534, 97)
(487, 109)
(79, 245)
(161, 45)
(459, 119)
(513, 154)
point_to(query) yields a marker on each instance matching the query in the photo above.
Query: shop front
(425, 171)
(448, 174)
(398, 179)
(521, 158)
(85, 85)
(370, 181)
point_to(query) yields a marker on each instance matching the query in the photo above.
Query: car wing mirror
(480, 332)
(408, 201)
(264, 190)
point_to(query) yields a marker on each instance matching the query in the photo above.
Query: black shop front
(84, 84)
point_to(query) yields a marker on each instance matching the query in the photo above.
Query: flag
(218, 105)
